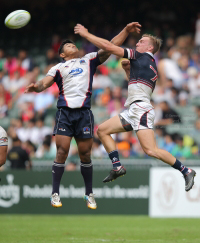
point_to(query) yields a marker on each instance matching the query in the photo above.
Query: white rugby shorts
(3, 137)
(140, 115)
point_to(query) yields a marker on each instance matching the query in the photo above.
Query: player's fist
(133, 27)
(31, 88)
(125, 64)
(81, 30)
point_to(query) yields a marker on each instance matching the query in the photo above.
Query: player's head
(148, 43)
(68, 49)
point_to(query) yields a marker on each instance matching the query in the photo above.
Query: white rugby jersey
(74, 79)
(143, 76)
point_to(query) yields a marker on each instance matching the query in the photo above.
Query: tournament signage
(29, 192)
(168, 197)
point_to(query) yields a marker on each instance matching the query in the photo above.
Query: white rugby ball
(17, 19)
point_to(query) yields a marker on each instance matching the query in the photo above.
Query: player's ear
(62, 55)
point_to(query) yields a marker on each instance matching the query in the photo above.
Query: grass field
(58, 229)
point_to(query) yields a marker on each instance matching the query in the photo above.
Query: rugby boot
(90, 201)
(114, 174)
(189, 179)
(55, 200)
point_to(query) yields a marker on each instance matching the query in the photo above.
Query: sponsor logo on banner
(9, 194)
(167, 193)
(168, 197)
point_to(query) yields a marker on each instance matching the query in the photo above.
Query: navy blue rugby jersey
(143, 76)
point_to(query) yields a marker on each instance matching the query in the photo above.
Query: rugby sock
(87, 171)
(114, 156)
(57, 172)
(179, 166)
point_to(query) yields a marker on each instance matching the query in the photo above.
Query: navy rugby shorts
(78, 123)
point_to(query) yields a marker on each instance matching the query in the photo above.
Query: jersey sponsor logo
(66, 66)
(82, 62)
(86, 130)
(76, 71)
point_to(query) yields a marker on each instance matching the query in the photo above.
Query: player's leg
(84, 150)
(84, 130)
(115, 124)
(63, 145)
(148, 143)
(3, 146)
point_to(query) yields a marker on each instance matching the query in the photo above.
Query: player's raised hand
(133, 27)
(31, 88)
(81, 30)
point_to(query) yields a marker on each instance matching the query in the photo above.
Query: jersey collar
(151, 54)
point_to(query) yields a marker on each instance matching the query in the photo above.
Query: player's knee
(100, 131)
(151, 152)
(61, 154)
(85, 156)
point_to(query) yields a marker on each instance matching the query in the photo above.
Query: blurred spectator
(51, 57)
(116, 100)
(180, 151)
(193, 82)
(197, 32)
(2, 60)
(43, 101)
(47, 150)
(56, 42)
(18, 156)
(169, 144)
(26, 62)
(169, 116)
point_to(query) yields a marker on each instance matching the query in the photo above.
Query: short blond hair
(156, 42)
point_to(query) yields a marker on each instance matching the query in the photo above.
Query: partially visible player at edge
(74, 118)
(3, 146)
(139, 115)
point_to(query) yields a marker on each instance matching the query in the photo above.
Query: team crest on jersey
(76, 71)
(86, 130)
(82, 62)
(3, 140)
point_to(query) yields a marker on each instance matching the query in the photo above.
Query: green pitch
(91, 229)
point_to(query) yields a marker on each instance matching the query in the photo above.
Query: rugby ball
(17, 19)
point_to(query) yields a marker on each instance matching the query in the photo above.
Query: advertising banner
(168, 197)
(29, 192)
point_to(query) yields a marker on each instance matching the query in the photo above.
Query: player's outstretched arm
(119, 39)
(99, 42)
(40, 85)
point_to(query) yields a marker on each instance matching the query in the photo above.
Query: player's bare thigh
(111, 126)
(63, 145)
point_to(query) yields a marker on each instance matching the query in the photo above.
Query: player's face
(70, 49)
(144, 45)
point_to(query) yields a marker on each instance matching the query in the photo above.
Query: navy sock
(114, 156)
(179, 166)
(87, 171)
(57, 172)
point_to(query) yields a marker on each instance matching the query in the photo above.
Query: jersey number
(154, 78)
